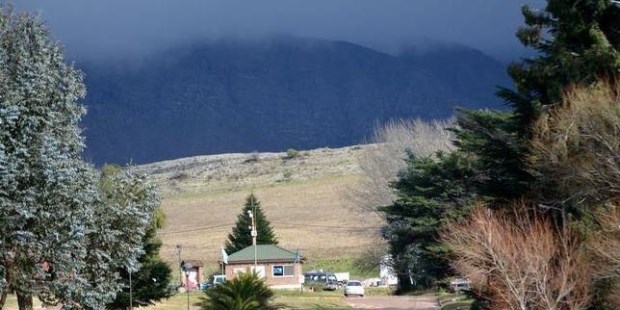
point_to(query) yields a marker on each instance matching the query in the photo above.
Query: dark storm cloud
(90, 28)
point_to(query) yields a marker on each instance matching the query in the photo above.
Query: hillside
(303, 197)
(270, 95)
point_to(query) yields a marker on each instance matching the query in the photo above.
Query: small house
(192, 273)
(279, 267)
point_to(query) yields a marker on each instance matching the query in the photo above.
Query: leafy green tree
(245, 292)
(46, 190)
(150, 282)
(240, 237)
(60, 239)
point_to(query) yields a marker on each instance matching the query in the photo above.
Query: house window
(283, 270)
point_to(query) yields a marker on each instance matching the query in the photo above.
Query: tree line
(525, 202)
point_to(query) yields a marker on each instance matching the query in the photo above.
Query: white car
(354, 287)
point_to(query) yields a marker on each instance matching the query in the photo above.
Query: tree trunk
(3, 298)
(24, 301)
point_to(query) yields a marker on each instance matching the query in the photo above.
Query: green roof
(264, 252)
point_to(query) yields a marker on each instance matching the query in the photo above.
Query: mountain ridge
(235, 96)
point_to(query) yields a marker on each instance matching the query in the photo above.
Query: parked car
(331, 285)
(215, 280)
(342, 277)
(354, 287)
(322, 278)
(460, 285)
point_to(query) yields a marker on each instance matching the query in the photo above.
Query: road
(393, 302)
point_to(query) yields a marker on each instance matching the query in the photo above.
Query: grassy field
(304, 198)
(290, 299)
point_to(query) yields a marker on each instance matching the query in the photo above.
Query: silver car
(354, 287)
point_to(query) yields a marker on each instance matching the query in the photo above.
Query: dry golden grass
(303, 198)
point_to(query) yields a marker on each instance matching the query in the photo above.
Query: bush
(292, 153)
(246, 292)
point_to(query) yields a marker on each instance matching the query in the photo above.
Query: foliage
(575, 153)
(150, 282)
(577, 43)
(61, 238)
(381, 162)
(575, 158)
(292, 153)
(122, 217)
(519, 260)
(245, 292)
(240, 237)
(431, 191)
(46, 191)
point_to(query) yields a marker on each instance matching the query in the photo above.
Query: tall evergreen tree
(577, 43)
(240, 237)
(46, 191)
(58, 238)
(431, 191)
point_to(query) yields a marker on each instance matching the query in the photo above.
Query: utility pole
(179, 249)
(253, 233)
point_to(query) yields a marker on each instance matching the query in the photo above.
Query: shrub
(245, 292)
(519, 260)
(292, 153)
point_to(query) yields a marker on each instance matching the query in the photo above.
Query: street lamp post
(186, 267)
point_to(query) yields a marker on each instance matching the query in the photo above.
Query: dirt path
(393, 302)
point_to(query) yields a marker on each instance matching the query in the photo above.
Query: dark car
(327, 279)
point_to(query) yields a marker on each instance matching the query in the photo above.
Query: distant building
(279, 267)
(192, 273)
(386, 271)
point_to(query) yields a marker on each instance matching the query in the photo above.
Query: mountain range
(270, 95)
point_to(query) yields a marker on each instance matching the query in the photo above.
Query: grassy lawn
(292, 300)
(449, 301)
(311, 300)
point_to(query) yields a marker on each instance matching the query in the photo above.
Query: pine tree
(577, 43)
(431, 191)
(240, 236)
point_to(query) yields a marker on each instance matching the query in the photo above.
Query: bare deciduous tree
(382, 161)
(519, 260)
(576, 147)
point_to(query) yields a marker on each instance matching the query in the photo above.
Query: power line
(279, 223)
(195, 229)
(327, 226)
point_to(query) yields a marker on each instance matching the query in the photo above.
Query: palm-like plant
(245, 292)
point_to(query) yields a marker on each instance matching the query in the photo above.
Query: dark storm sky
(100, 29)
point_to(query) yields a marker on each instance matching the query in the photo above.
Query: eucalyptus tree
(61, 238)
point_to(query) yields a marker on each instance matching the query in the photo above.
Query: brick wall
(269, 278)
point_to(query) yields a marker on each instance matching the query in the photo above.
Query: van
(327, 279)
